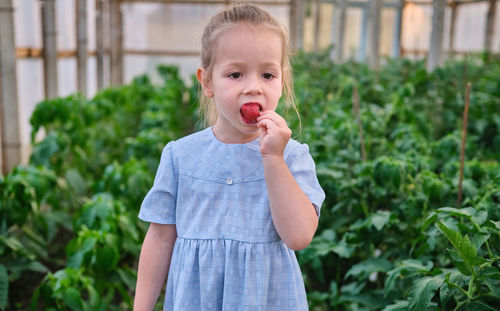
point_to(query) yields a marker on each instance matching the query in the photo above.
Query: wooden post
(364, 30)
(436, 45)
(317, 24)
(116, 34)
(338, 31)
(99, 33)
(490, 22)
(396, 47)
(81, 46)
(373, 39)
(451, 45)
(462, 148)
(292, 24)
(10, 137)
(49, 36)
(297, 24)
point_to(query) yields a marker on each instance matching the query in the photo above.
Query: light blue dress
(228, 255)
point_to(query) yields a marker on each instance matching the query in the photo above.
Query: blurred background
(90, 45)
(92, 90)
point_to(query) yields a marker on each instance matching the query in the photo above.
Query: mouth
(250, 112)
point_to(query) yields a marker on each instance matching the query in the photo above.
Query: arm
(293, 214)
(154, 263)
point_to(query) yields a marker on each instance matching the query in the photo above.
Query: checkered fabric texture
(228, 255)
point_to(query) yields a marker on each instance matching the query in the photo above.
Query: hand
(274, 134)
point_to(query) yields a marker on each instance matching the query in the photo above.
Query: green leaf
(495, 224)
(76, 181)
(106, 258)
(4, 287)
(480, 306)
(480, 217)
(380, 219)
(464, 212)
(400, 305)
(494, 286)
(410, 265)
(423, 290)
(76, 259)
(327, 172)
(429, 220)
(343, 249)
(128, 277)
(72, 299)
(464, 247)
(479, 238)
(369, 266)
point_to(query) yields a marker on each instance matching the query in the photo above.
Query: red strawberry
(250, 112)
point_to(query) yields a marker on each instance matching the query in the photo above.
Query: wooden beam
(338, 31)
(214, 2)
(373, 39)
(116, 41)
(10, 136)
(436, 44)
(37, 53)
(49, 36)
(81, 46)
(490, 22)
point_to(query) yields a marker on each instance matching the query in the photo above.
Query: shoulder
(187, 144)
(295, 148)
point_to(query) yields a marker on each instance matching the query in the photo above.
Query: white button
(229, 181)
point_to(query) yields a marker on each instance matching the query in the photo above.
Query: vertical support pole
(396, 47)
(49, 36)
(81, 46)
(317, 23)
(373, 39)
(10, 136)
(364, 30)
(99, 29)
(436, 46)
(451, 44)
(338, 31)
(297, 24)
(116, 34)
(292, 24)
(490, 22)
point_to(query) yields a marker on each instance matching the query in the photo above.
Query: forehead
(243, 40)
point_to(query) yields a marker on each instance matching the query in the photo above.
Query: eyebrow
(239, 64)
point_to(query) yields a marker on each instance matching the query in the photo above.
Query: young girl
(231, 203)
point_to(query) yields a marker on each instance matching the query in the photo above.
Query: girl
(231, 203)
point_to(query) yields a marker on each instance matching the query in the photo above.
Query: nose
(252, 86)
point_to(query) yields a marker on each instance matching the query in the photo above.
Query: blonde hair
(253, 15)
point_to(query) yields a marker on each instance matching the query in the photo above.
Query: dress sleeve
(159, 205)
(302, 167)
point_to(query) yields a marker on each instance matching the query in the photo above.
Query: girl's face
(247, 69)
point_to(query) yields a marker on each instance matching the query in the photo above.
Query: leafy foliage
(390, 235)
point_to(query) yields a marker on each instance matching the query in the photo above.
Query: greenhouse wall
(177, 27)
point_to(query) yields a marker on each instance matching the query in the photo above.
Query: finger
(269, 114)
(267, 124)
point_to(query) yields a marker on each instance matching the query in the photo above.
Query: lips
(249, 112)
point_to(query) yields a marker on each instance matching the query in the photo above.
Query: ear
(206, 86)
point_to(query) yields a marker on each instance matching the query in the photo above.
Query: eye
(235, 75)
(267, 76)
